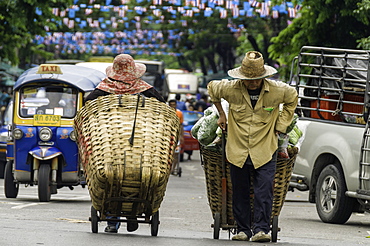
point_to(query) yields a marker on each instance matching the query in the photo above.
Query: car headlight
(17, 133)
(72, 136)
(45, 134)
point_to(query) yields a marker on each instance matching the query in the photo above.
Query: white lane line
(66, 197)
(11, 203)
(27, 205)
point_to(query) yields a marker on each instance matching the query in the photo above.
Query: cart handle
(223, 145)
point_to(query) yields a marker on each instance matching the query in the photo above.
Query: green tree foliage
(258, 34)
(363, 14)
(20, 21)
(325, 23)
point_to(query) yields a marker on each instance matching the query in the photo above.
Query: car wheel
(332, 204)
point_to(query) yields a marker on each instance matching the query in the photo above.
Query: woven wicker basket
(283, 174)
(115, 169)
(212, 165)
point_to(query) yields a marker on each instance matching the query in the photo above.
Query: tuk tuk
(41, 148)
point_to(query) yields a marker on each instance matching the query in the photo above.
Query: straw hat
(124, 68)
(252, 68)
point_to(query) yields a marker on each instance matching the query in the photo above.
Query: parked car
(3, 137)
(5, 117)
(190, 143)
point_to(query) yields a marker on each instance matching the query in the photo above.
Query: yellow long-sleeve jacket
(252, 131)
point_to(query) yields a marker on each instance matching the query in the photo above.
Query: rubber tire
(94, 220)
(2, 169)
(275, 228)
(44, 183)
(154, 224)
(216, 226)
(342, 206)
(10, 187)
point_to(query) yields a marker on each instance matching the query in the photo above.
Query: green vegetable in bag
(207, 130)
(294, 135)
(194, 130)
(292, 124)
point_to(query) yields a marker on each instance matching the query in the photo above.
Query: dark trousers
(263, 179)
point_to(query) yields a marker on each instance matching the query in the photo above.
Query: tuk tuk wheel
(94, 220)
(155, 224)
(10, 187)
(274, 229)
(44, 183)
(216, 226)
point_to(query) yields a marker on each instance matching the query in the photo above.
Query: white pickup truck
(334, 159)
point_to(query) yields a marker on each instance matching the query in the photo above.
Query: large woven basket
(116, 169)
(212, 165)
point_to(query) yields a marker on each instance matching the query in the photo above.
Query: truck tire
(332, 205)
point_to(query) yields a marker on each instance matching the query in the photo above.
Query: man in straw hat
(123, 77)
(254, 122)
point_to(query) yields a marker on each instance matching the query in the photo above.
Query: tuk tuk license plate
(46, 120)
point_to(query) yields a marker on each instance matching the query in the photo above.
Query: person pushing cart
(126, 136)
(254, 122)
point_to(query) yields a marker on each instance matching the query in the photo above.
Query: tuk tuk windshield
(50, 100)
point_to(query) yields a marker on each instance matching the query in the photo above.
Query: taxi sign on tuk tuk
(49, 69)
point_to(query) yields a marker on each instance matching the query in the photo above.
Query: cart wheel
(154, 224)
(275, 228)
(94, 220)
(179, 172)
(216, 226)
(44, 186)
(10, 188)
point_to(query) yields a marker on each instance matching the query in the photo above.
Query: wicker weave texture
(212, 164)
(283, 174)
(115, 169)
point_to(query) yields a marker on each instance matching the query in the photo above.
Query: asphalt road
(185, 219)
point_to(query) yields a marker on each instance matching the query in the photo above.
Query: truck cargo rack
(332, 84)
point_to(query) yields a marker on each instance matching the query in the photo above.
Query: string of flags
(81, 15)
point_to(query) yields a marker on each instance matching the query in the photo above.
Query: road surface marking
(26, 205)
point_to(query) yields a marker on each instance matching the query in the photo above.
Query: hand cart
(126, 145)
(219, 188)
(116, 204)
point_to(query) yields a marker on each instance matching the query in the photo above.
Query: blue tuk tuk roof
(84, 78)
